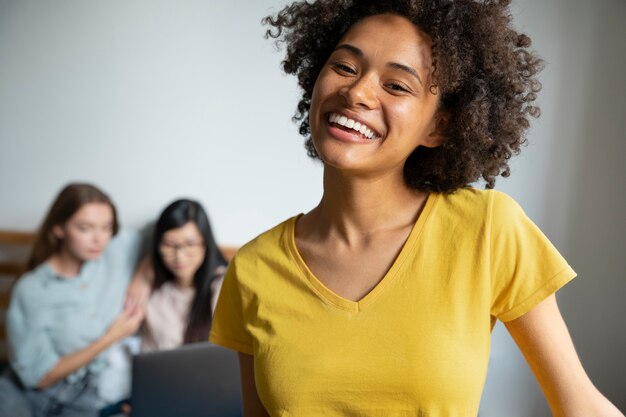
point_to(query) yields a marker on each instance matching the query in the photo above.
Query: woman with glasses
(188, 268)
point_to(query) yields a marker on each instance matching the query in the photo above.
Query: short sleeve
(525, 267)
(229, 325)
(31, 352)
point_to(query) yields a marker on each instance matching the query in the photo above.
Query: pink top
(167, 311)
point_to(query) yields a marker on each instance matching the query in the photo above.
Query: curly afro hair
(483, 69)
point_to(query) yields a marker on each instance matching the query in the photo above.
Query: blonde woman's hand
(125, 324)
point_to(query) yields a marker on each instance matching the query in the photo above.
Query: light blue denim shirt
(50, 317)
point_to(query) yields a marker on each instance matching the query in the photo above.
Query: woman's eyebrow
(395, 65)
(356, 51)
(405, 68)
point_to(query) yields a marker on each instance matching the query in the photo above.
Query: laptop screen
(200, 379)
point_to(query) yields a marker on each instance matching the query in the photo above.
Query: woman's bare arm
(140, 286)
(124, 325)
(543, 338)
(252, 406)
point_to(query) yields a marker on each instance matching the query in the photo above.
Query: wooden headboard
(14, 251)
(13, 264)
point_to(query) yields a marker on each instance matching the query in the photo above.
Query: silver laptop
(196, 380)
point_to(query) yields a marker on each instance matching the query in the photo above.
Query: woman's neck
(65, 265)
(354, 207)
(183, 282)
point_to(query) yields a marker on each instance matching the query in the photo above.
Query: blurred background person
(67, 311)
(188, 268)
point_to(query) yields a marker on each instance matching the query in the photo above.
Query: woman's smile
(347, 127)
(349, 124)
(370, 108)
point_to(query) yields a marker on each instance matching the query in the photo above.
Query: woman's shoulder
(481, 202)
(126, 238)
(269, 243)
(32, 283)
(477, 210)
(125, 248)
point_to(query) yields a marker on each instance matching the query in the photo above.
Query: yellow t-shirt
(418, 343)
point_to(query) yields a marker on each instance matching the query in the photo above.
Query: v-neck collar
(330, 297)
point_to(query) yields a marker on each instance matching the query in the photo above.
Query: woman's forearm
(544, 340)
(140, 286)
(125, 324)
(74, 361)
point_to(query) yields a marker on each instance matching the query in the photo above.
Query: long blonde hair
(69, 201)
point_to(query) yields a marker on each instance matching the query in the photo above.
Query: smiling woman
(380, 301)
(375, 81)
(482, 71)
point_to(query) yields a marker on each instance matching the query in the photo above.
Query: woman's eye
(344, 68)
(397, 87)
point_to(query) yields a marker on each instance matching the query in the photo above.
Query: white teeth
(351, 124)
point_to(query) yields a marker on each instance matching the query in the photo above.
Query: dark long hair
(176, 215)
(71, 198)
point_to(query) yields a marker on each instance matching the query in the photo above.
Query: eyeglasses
(191, 249)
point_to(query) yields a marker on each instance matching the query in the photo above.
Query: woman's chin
(184, 280)
(90, 256)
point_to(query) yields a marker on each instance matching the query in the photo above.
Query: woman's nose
(361, 92)
(101, 236)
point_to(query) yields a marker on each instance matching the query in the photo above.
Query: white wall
(154, 100)
(594, 231)
(570, 181)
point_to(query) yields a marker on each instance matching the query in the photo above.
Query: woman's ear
(439, 125)
(58, 232)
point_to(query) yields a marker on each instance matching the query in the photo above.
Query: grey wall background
(154, 100)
